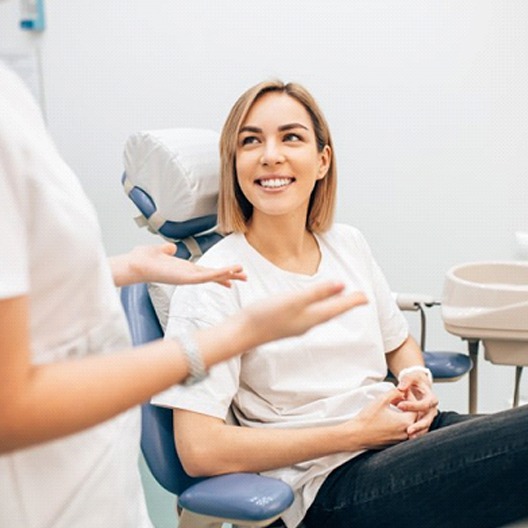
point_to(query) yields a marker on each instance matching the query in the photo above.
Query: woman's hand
(380, 424)
(158, 264)
(418, 398)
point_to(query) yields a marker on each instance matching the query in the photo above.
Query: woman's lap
(468, 471)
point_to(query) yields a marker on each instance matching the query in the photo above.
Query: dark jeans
(468, 471)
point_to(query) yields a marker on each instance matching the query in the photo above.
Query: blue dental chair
(244, 499)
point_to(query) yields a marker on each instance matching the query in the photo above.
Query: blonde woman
(316, 411)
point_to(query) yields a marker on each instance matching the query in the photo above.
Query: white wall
(426, 99)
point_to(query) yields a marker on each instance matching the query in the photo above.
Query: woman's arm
(406, 355)
(158, 264)
(43, 402)
(207, 446)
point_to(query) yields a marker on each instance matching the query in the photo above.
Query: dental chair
(172, 178)
(243, 499)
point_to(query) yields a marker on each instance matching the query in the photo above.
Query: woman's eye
(292, 137)
(248, 140)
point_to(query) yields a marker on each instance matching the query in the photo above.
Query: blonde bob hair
(234, 210)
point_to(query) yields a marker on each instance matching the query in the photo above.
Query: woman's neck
(287, 244)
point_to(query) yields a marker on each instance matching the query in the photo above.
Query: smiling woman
(317, 411)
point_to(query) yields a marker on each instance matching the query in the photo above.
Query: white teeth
(275, 182)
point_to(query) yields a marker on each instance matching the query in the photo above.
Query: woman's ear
(325, 157)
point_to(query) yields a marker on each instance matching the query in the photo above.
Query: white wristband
(195, 364)
(416, 368)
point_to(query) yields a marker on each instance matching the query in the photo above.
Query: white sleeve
(394, 327)
(194, 307)
(14, 278)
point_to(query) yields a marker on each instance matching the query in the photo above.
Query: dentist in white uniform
(69, 379)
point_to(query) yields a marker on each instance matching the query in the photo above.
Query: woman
(316, 411)
(68, 377)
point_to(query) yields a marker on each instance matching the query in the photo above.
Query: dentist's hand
(276, 318)
(293, 314)
(158, 264)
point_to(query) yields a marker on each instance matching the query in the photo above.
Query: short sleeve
(14, 279)
(194, 307)
(394, 327)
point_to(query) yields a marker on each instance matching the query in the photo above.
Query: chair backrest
(157, 440)
(172, 176)
(253, 499)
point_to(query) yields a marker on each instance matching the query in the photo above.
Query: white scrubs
(52, 251)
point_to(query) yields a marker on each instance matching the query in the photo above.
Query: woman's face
(277, 160)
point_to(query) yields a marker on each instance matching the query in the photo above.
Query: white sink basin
(489, 301)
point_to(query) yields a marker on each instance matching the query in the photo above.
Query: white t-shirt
(323, 377)
(52, 251)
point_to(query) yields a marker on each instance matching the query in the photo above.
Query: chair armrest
(242, 497)
(412, 301)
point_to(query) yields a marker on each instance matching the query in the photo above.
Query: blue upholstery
(204, 241)
(447, 365)
(241, 496)
(171, 230)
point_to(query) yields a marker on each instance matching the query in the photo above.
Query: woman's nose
(272, 154)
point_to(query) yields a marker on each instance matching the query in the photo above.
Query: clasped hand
(404, 413)
(419, 398)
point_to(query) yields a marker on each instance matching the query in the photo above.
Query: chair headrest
(172, 176)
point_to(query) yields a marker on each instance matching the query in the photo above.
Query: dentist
(70, 382)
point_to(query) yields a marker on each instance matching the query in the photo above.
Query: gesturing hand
(294, 314)
(158, 264)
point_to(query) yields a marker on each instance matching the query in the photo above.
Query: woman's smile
(275, 182)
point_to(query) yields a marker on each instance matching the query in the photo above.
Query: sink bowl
(489, 301)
